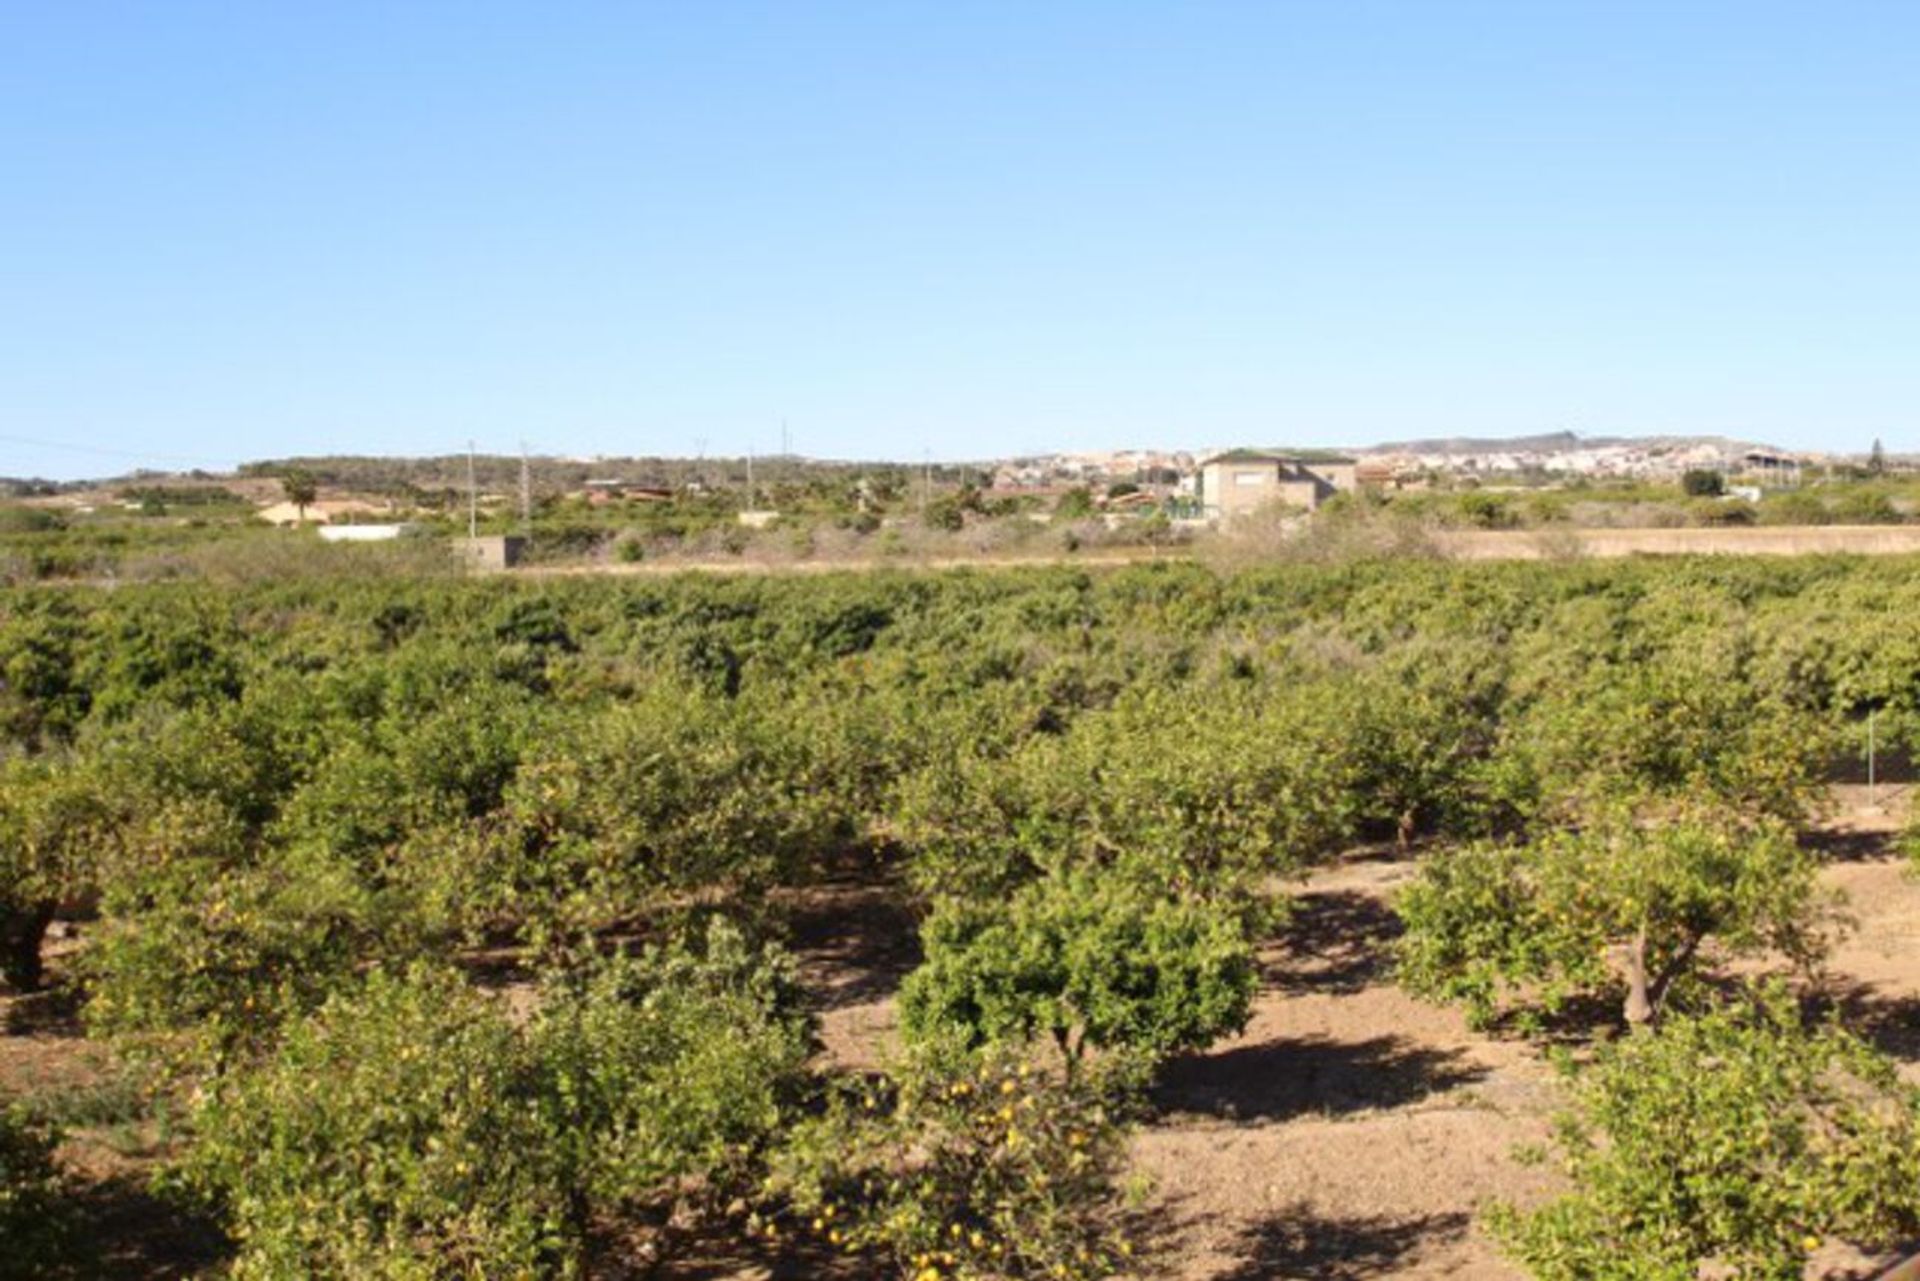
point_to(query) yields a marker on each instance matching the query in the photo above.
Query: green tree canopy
(1733, 1143)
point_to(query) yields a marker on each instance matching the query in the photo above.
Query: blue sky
(970, 228)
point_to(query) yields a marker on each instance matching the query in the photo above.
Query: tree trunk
(1639, 1007)
(21, 930)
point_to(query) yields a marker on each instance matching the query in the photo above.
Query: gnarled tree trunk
(21, 931)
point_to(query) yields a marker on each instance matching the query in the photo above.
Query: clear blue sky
(248, 229)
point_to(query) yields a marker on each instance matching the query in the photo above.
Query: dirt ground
(1455, 544)
(1349, 1132)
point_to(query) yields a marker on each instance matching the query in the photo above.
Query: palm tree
(300, 489)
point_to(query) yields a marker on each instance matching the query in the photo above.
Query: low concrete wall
(1784, 540)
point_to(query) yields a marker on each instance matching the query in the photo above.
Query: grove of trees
(451, 919)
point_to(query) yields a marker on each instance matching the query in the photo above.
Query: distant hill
(401, 474)
(1558, 442)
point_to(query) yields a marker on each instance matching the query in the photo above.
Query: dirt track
(1457, 544)
(1784, 540)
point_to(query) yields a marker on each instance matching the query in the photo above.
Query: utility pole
(473, 498)
(526, 495)
(926, 479)
(750, 506)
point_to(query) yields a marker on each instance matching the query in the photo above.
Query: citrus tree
(1627, 907)
(1206, 798)
(1734, 1142)
(411, 1127)
(1090, 960)
(986, 1167)
(35, 1223)
(671, 793)
(58, 816)
(1656, 696)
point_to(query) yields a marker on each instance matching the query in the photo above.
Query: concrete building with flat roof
(1241, 481)
(491, 551)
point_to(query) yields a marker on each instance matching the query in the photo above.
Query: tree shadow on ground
(1311, 1075)
(1296, 1242)
(1853, 847)
(1581, 1019)
(855, 943)
(125, 1231)
(1892, 1022)
(722, 1250)
(1336, 942)
(53, 1010)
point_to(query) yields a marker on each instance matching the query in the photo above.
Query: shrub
(1622, 908)
(1075, 504)
(20, 519)
(1679, 722)
(1702, 482)
(1865, 507)
(41, 698)
(1198, 802)
(1730, 1143)
(944, 514)
(1725, 512)
(1091, 961)
(1793, 507)
(1546, 509)
(989, 1169)
(1487, 511)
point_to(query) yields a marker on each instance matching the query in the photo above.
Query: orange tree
(1734, 1142)
(1630, 907)
(989, 1167)
(36, 1225)
(412, 1127)
(58, 815)
(1091, 960)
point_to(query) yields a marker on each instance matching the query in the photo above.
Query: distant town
(500, 511)
(1561, 455)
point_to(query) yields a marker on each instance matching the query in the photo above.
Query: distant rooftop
(1278, 456)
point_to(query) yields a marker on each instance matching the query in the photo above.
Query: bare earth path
(1456, 544)
(1350, 1131)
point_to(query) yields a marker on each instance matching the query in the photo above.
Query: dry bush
(1334, 535)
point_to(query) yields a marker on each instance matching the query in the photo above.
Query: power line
(103, 451)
